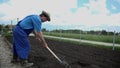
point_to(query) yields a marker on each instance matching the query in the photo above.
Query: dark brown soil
(78, 56)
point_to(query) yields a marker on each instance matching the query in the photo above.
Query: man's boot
(15, 59)
(26, 64)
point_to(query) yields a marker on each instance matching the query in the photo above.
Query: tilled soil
(78, 56)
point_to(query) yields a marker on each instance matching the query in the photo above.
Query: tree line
(7, 28)
(76, 31)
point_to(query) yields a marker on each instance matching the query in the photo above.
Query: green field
(101, 38)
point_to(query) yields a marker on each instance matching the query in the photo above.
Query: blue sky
(67, 14)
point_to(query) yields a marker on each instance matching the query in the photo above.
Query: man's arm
(40, 35)
(35, 34)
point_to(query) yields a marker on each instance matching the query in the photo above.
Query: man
(21, 45)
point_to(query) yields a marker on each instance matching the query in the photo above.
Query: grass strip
(116, 48)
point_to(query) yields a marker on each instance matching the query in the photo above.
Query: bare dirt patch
(78, 56)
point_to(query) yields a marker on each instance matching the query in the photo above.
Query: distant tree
(91, 32)
(0, 27)
(117, 33)
(6, 28)
(56, 30)
(110, 33)
(104, 32)
(44, 30)
(77, 31)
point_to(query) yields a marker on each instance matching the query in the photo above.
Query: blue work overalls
(21, 45)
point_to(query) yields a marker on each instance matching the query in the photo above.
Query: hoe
(62, 62)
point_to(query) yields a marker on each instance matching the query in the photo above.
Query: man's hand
(36, 38)
(41, 38)
(35, 35)
(45, 45)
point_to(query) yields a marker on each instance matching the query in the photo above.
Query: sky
(66, 14)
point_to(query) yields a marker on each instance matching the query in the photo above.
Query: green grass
(84, 44)
(101, 38)
(75, 42)
(7, 34)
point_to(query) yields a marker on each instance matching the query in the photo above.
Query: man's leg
(23, 47)
(15, 56)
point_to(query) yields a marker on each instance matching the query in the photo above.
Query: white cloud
(21, 8)
(118, 1)
(84, 15)
(86, 18)
(91, 14)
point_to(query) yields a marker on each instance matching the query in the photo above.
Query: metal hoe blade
(66, 64)
(62, 62)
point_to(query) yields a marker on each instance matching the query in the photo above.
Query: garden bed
(78, 56)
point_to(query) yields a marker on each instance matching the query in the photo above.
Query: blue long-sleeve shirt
(32, 21)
